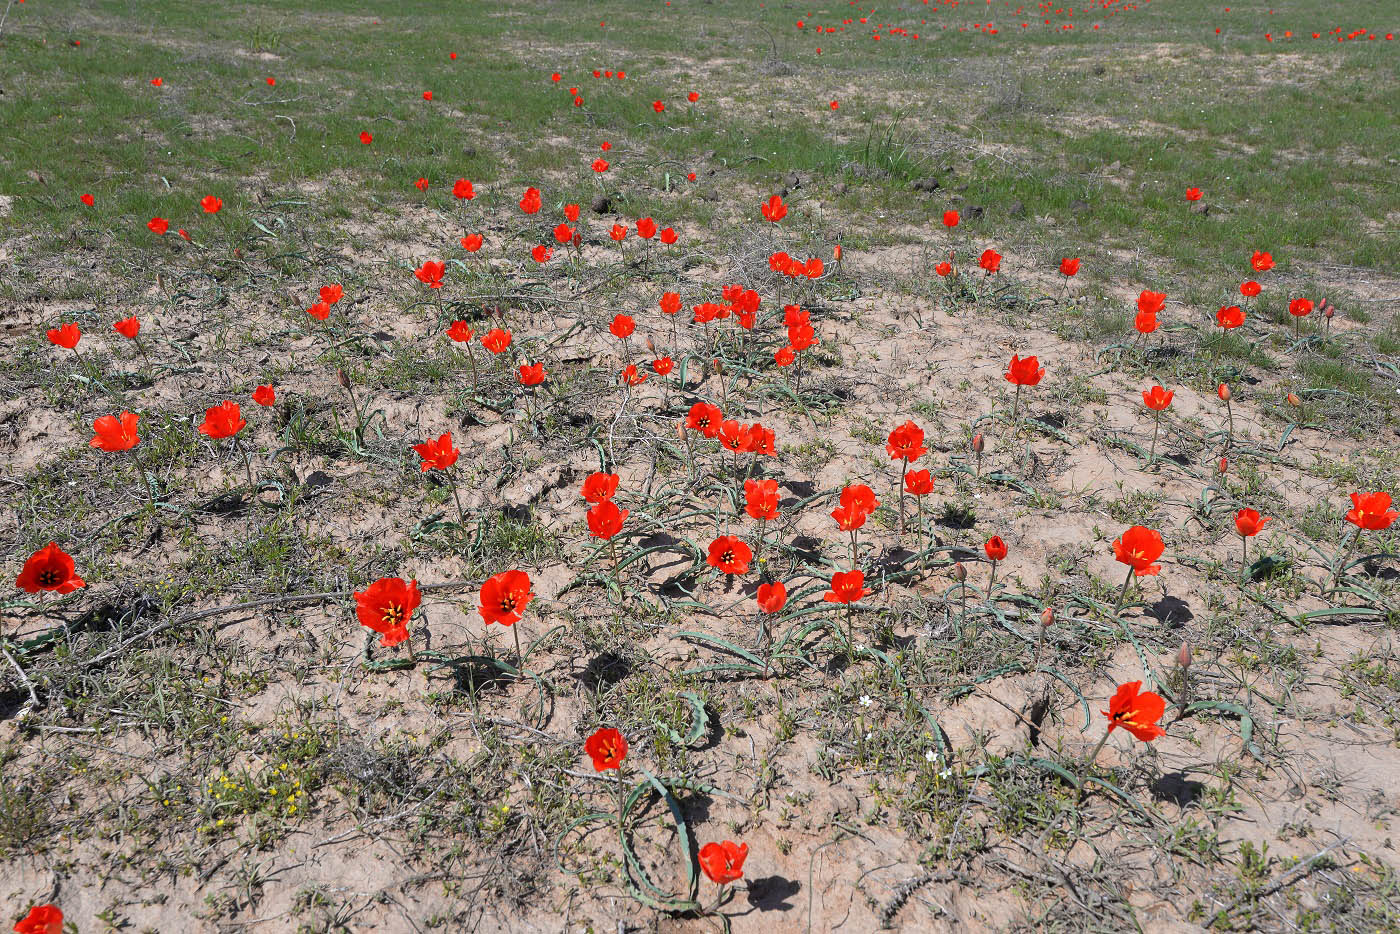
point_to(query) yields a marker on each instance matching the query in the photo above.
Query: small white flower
(946, 773)
(930, 756)
(865, 700)
(869, 735)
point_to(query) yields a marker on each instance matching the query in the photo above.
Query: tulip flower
(1136, 711)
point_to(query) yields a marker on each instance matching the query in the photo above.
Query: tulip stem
(519, 655)
(141, 473)
(1156, 426)
(1015, 409)
(247, 465)
(1342, 557)
(991, 581)
(621, 801)
(903, 472)
(1118, 607)
(461, 513)
(1089, 764)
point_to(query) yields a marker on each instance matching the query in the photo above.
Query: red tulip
(222, 421)
(607, 748)
(50, 569)
(1069, 267)
(1249, 523)
(1024, 372)
(1372, 511)
(386, 606)
(1136, 712)
(1139, 547)
(437, 455)
(65, 336)
(127, 327)
(1157, 399)
(115, 433)
(504, 597)
(265, 396)
(723, 863)
(605, 519)
(599, 487)
(772, 597)
(729, 554)
(846, 587)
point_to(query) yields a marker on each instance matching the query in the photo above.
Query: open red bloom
(439, 454)
(704, 418)
(1249, 523)
(761, 498)
(496, 340)
(772, 597)
(618, 232)
(1193, 194)
(729, 554)
(668, 236)
(599, 487)
(1262, 262)
(1139, 547)
(504, 597)
(65, 336)
(320, 311)
(386, 606)
(1069, 267)
(127, 327)
(1229, 316)
(1145, 322)
(918, 482)
(50, 568)
(605, 519)
(471, 242)
(1300, 307)
(571, 213)
(661, 366)
(158, 226)
(1024, 372)
(631, 376)
(211, 204)
(430, 274)
(530, 202)
(773, 209)
(906, 443)
(1136, 712)
(723, 863)
(1150, 302)
(622, 326)
(542, 253)
(607, 748)
(1157, 399)
(531, 374)
(114, 433)
(265, 396)
(89, 200)
(1372, 511)
(223, 420)
(421, 184)
(1250, 288)
(990, 261)
(42, 919)
(995, 548)
(330, 294)
(944, 269)
(563, 233)
(951, 219)
(646, 228)
(460, 332)
(463, 190)
(670, 302)
(846, 587)
(658, 106)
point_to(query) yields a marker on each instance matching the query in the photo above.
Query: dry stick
(290, 600)
(23, 678)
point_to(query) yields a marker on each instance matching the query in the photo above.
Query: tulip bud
(651, 348)
(1047, 617)
(719, 367)
(1224, 464)
(1223, 392)
(680, 430)
(1183, 658)
(959, 572)
(979, 444)
(837, 252)
(344, 380)
(1293, 400)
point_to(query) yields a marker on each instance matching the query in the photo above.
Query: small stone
(601, 205)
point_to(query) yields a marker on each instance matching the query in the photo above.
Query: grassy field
(204, 737)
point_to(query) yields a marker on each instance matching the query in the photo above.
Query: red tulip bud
(1293, 400)
(1224, 464)
(1183, 658)
(1223, 392)
(959, 572)
(979, 444)
(1047, 617)
(344, 380)
(651, 348)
